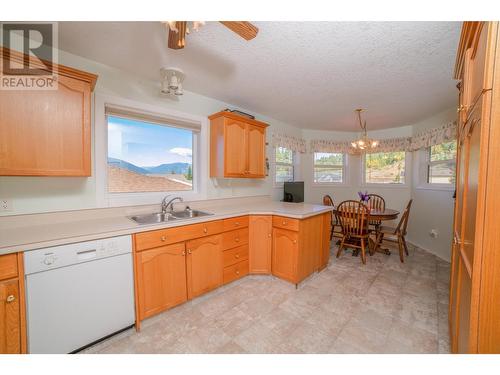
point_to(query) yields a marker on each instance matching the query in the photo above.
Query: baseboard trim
(414, 244)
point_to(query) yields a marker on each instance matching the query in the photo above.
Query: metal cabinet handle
(183, 253)
(284, 222)
(237, 256)
(189, 252)
(294, 241)
(237, 272)
(205, 230)
(237, 224)
(163, 238)
(237, 239)
(10, 298)
(269, 235)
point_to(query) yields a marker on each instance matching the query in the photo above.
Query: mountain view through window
(146, 157)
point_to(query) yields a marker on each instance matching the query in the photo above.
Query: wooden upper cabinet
(237, 146)
(161, 279)
(47, 132)
(256, 151)
(204, 265)
(260, 243)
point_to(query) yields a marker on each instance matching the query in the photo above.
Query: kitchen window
(283, 165)
(329, 168)
(441, 163)
(149, 154)
(385, 168)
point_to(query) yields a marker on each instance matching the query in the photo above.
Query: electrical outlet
(5, 205)
(433, 233)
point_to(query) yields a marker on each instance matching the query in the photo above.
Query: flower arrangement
(364, 197)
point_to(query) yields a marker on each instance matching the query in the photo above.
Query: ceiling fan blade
(177, 39)
(243, 28)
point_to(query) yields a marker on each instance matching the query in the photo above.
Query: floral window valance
(423, 139)
(292, 143)
(434, 136)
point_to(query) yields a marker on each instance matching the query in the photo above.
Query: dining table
(377, 214)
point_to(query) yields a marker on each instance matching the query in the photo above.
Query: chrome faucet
(169, 206)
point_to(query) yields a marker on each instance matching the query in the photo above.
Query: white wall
(432, 209)
(45, 194)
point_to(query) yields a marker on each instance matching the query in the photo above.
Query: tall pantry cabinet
(474, 310)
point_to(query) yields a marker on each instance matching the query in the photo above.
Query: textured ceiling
(308, 74)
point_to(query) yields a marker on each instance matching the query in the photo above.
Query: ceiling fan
(177, 31)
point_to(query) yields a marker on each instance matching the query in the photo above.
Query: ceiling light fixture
(363, 142)
(171, 81)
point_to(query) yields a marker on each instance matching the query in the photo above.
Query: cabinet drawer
(286, 223)
(148, 240)
(234, 238)
(235, 255)
(235, 223)
(236, 271)
(8, 266)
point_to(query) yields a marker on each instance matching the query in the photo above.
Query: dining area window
(385, 168)
(329, 168)
(441, 163)
(283, 165)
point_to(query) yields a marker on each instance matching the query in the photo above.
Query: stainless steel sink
(157, 217)
(189, 214)
(160, 217)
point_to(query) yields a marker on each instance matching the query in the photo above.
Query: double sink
(163, 217)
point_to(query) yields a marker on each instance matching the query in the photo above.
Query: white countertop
(77, 226)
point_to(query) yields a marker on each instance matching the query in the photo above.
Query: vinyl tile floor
(382, 307)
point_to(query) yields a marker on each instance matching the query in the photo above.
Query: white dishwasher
(78, 294)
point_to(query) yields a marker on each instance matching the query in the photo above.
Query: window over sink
(148, 157)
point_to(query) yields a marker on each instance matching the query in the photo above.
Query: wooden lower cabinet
(300, 247)
(260, 243)
(235, 271)
(12, 307)
(204, 265)
(161, 279)
(285, 254)
(169, 274)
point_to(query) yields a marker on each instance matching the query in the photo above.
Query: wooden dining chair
(336, 229)
(397, 234)
(354, 217)
(376, 202)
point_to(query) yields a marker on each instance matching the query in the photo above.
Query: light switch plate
(5, 205)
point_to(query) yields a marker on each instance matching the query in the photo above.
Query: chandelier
(364, 142)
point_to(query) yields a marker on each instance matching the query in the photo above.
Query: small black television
(293, 191)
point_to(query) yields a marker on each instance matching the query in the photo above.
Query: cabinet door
(465, 232)
(10, 320)
(256, 151)
(235, 149)
(204, 265)
(325, 243)
(260, 243)
(161, 277)
(285, 253)
(46, 133)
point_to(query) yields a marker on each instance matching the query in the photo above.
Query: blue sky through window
(148, 145)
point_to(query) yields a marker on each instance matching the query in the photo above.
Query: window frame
(275, 163)
(344, 181)
(200, 147)
(407, 175)
(424, 163)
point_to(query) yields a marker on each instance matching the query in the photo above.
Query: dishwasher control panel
(60, 256)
